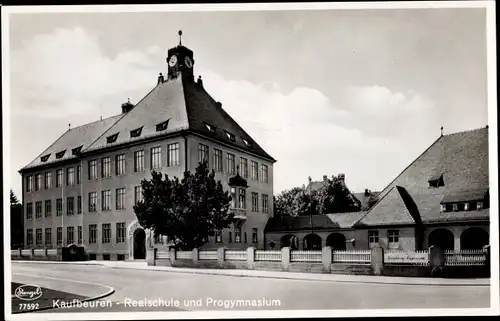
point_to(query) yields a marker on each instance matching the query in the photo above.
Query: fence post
(487, 252)
(151, 256)
(20, 252)
(220, 256)
(46, 253)
(436, 261)
(377, 260)
(285, 258)
(250, 258)
(194, 256)
(172, 256)
(326, 257)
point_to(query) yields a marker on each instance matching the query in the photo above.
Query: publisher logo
(28, 292)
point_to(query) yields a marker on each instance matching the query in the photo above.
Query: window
(173, 154)
(436, 181)
(29, 210)
(448, 207)
(105, 167)
(254, 171)
(393, 236)
(70, 176)
(245, 239)
(120, 232)
(120, 164)
(48, 208)
(38, 209)
(106, 257)
(373, 237)
(254, 236)
(210, 128)
(79, 205)
(135, 132)
(120, 257)
(106, 233)
(59, 178)
(137, 194)
(48, 180)
(230, 237)
(60, 154)
(92, 201)
(92, 256)
(230, 136)
(231, 164)
(80, 235)
(38, 236)
(162, 126)
(202, 153)
(70, 234)
(242, 198)
(139, 161)
(70, 206)
(155, 157)
(479, 206)
(255, 202)
(59, 207)
(244, 167)
(76, 151)
(92, 169)
(237, 234)
(59, 237)
(111, 139)
(264, 174)
(218, 160)
(38, 182)
(265, 203)
(461, 207)
(218, 237)
(29, 236)
(44, 158)
(29, 183)
(78, 174)
(48, 236)
(106, 200)
(93, 233)
(120, 198)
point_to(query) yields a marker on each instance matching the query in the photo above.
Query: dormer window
(162, 126)
(436, 181)
(112, 138)
(60, 154)
(210, 128)
(247, 143)
(231, 136)
(76, 151)
(136, 132)
(45, 158)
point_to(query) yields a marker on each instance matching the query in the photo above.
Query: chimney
(126, 107)
(367, 192)
(341, 177)
(200, 82)
(161, 79)
(310, 179)
(325, 178)
(219, 104)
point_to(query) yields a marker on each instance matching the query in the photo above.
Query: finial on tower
(441, 130)
(180, 37)
(69, 126)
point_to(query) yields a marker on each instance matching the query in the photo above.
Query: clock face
(173, 61)
(188, 62)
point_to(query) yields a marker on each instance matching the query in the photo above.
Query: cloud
(64, 76)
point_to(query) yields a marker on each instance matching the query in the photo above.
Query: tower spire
(180, 37)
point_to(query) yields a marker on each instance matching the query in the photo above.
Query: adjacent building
(82, 188)
(441, 198)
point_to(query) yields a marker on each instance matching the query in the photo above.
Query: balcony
(239, 213)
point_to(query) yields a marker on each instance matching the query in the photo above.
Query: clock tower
(180, 61)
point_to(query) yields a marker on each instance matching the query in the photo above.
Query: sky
(358, 92)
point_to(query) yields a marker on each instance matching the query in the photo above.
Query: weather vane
(180, 37)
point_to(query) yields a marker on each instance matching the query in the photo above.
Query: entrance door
(139, 244)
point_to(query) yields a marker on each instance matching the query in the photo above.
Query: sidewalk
(141, 265)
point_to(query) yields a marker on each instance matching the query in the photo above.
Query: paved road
(211, 292)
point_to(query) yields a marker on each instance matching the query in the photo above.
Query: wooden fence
(465, 258)
(352, 257)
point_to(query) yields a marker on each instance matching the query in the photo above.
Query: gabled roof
(81, 136)
(392, 209)
(319, 222)
(462, 159)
